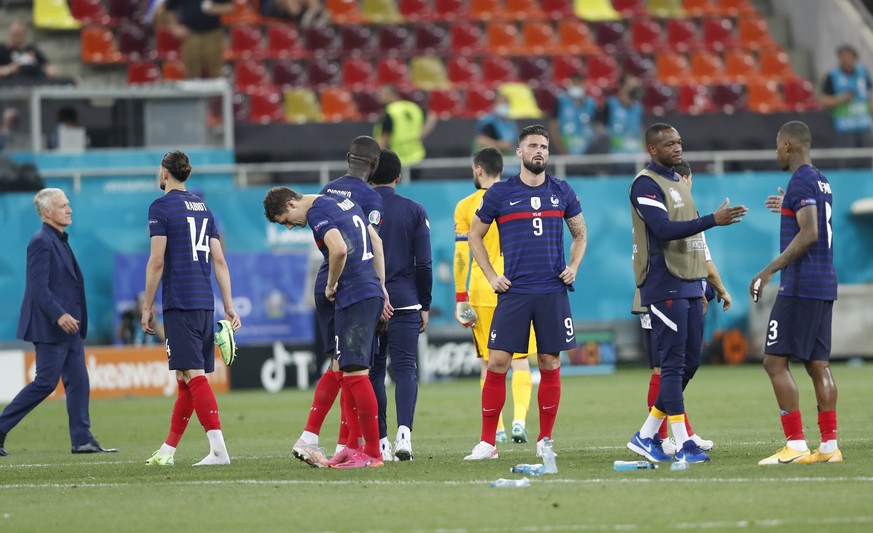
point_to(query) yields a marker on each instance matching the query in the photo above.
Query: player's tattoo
(577, 227)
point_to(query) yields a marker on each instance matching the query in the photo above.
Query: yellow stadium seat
(381, 11)
(522, 102)
(54, 15)
(595, 10)
(667, 9)
(428, 73)
(301, 105)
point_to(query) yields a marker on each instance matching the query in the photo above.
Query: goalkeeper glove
(464, 312)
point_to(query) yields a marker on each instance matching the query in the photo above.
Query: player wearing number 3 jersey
(530, 209)
(800, 322)
(184, 249)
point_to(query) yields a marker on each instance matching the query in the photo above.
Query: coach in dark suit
(55, 319)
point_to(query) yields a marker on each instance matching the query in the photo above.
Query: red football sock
(792, 425)
(493, 398)
(548, 398)
(181, 414)
(654, 389)
(204, 403)
(827, 424)
(350, 416)
(688, 426)
(344, 425)
(325, 394)
(368, 412)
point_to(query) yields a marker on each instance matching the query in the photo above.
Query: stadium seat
(593, 10)
(245, 12)
(647, 36)
(566, 66)
(775, 65)
(358, 73)
(394, 40)
(630, 9)
(707, 68)
(240, 105)
(640, 66)
(574, 38)
(737, 8)
(524, 10)
(98, 46)
(124, 10)
(463, 71)
(428, 73)
(755, 34)
(672, 68)
(283, 42)
(610, 36)
(357, 40)
(452, 10)
(265, 107)
(496, 70)
(430, 38)
(300, 105)
(718, 34)
(728, 98)
(415, 10)
(368, 104)
(344, 11)
(693, 99)
(547, 96)
(167, 44)
(288, 73)
(337, 105)
(143, 72)
(173, 69)
(666, 9)
(479, 102)
(658, 99)
(249, 76)
(381, 11)
(466, 38)
(488, 10)
(446, 103)
(503, 38)
(740, 66)
(54, 15)
(764, 96)
(89, 12)
(558, 9)
(133, 42)
(701, 8)
(522, 103)
(800, 95)
(602, 71)
(321, 41)
(323, 73)
(246, 42)
(682, 36)
(534, 70)
(539, 38)
(393, 71)
(414, 95)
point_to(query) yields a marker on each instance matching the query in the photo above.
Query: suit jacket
(54, 286)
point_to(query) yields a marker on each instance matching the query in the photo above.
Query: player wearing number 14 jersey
(530, 209)
(184, 249)
(800, 322)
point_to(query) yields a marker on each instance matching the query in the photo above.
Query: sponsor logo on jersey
(677, 198)
(807, 201)
(375, 217)
(555, 201)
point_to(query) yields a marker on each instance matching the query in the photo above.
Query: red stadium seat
(547, 96)
(98, 46)
(525, 10)
(574, 38)
(558, 9)
(718, 34)
(672, 68)
(755, 34)
(288, 73)
(338, 105)
(250, 76)
(393, 71)
(323, 73)
(539, 38)
(466, 38)
(658, 99)
(283, 42)
(764, 96)
(167, 44)
(463, 71)
(446, 103)
(740, 66)
(430, 39)
(173, 69)
(246, 42)
(133, 42)
(534, 70)
(488, 10)
(265, 107)
(358, 73)
(503, 38)
(245, 12)
(800, 95)
(647, 36)
(603, 71)
(89, 11)
(143, 72)
(394, 40)
(610, 36)
(631, 8)
(728, 98)
(707, 68)
(451, 10)
(368, 104)
(693, 99)
(415, 10)
(638, 65)
(682, 35)
(701, 8)
(357, 40)
(565, 67)
(497, 70)
(124, 10)
(479, 102)
(322, 41)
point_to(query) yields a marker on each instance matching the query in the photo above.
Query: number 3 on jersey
(198, 243)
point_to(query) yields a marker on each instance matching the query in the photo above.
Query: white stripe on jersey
(642, 200)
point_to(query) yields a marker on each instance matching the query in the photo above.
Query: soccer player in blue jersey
(340, 232)
(406, 239)
(530, 209)
(362, 158)
(800, 321)
(669, 264)
(184, 249)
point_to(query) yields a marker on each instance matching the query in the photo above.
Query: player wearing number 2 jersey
(530, 209)
(184, 249)
(800, 322)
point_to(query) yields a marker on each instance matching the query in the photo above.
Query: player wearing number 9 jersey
(800, 321)
(184, 248)
(530, 209)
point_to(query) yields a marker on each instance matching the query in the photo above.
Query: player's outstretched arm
(579, 233)
(807, 219)
(726, 214)
(222, 277)
(154, 273)
(774, 201)
(478, 230)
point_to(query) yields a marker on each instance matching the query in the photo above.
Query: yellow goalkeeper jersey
(481, 292)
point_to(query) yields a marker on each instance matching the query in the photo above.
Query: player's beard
(536, 168)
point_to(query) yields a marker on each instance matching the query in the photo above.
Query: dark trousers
(56, 361)
(401, 341)
(677, 334)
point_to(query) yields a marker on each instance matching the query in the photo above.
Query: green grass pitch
(45, 488)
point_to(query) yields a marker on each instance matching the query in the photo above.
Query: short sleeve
(157, 221)
(373, 207)
(462, 223)
(488, 206)
(801, 194)
(571, 200)
(320, 222)
(212, 227)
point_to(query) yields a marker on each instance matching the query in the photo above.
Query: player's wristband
(462, 297)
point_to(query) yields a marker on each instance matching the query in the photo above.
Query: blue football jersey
(188, 225)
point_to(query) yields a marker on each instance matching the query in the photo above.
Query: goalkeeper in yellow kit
(475, 307)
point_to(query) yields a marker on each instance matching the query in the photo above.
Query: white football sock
(680, 433)
(798, 445)
(828, 446)
(309, 438)
(650, 426)
(166, 449)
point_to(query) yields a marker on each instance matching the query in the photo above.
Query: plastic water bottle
(620, 466)
(533, 470)
(680, 465)
(512, 483)
(549, 464)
